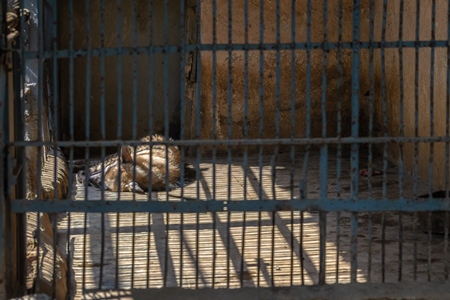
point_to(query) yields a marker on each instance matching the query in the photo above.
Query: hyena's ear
(125, 153)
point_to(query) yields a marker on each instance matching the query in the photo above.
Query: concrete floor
(221, 250)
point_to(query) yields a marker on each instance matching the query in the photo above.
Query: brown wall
(334, 93)
(393, 88)
(112, 76)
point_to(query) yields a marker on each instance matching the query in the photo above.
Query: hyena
(134, 164)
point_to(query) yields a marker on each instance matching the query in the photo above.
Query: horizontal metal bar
(359, 205)
(233, 47)
(196, 142)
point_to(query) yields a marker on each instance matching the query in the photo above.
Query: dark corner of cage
(436, 220)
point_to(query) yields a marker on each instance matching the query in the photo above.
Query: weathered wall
(334, 93)
(112, 77)
(393, 88)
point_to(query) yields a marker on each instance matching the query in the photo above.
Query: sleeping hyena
(132, 168)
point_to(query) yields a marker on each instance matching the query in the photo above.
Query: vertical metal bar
(19, 111)
(119, 68)
(103, 133)
(447, 149)
(229, 130)
(214, 129)
(119, 129)
(245, 133)
(40, 83)
(385, 133)
(339, 134)
(303, 186)
(198, 135)
(416, 131)
(429, 233)
(151, 77)
(292, 134)
(431, 157)
(88, 123)
(371, 117)
(277, 131)
(16, 133)
(69, 249)
(400, 146)
(55, 126)
(3, 122)
(323, 152)
(355, 132)
(151, 85)
(10, 233)
(166, 125)
(261, 128)
(182, 122)
(21, 186)
(134, 132)
(383, 247)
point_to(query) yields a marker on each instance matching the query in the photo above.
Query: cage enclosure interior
(225, 144)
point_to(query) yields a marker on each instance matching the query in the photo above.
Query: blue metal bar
(371, 120)
(134, 100)
(166, 131)
(214, 131)
(323, 153)
(303, 185)
(24, 36)
(383, 247)
(119, 69)
(447, 152)
(71, 106)
(240, 142)
(3, 127)
(229, 129)
(260, 131)
(55, 126)
(119, 125)
(182, 134)
(292, 133)
(400, 146)
(198, 135)
(245, 134)
(432, 121)
(339, 146)
(103, 135)
(236, 46)
(385, 133)
(429, 234)
(354, 158)
(40, 87)
(87, 127)
(329, 205)
(416, 131)
(182, 130)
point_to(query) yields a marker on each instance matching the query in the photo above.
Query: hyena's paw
(134, 187)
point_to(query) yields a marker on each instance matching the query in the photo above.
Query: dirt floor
(122, 251)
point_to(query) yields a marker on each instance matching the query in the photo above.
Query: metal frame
(47, 58)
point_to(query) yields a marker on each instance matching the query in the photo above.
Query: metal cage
(313, 141)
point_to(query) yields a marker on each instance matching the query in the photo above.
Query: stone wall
(394, 97)
(292, 67)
